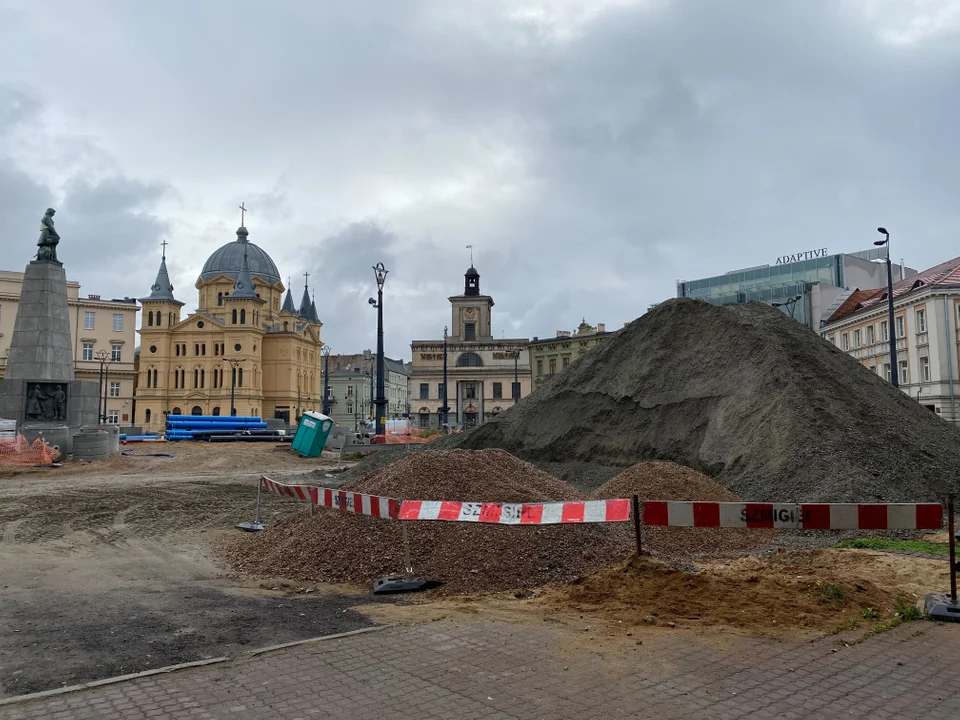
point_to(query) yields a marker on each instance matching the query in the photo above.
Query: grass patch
(832, 592)
(907, 611)
(843, 627)
(869, 614)
(919, 546)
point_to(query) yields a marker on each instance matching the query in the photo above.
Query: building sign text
(806, 255)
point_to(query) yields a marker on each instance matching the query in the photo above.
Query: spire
(304, 311)
(243, 287)
(242, 235)
(314, 315)
(288, 305)
(162, 288)
(471, 281)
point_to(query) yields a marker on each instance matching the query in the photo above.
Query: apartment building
(104, 338)
(548, 356)
(926, 322)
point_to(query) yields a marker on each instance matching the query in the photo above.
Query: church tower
(471, 319)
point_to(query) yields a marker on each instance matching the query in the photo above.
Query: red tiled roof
(946, 273)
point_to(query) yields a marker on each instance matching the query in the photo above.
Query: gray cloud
(592, 162)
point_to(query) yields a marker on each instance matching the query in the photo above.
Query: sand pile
(667, 481)
(797, 590)
(742, 393)
(334, 546)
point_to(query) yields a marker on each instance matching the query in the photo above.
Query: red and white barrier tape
(372, 505)
(803, 516)
(591, 511)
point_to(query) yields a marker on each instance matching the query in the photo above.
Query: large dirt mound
(341, 547)
(743, 393)
(667, 481)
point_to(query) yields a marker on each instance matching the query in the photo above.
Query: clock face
(470, 312)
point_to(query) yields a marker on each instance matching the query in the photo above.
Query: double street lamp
(236, 366)
(444, 410)
(789, 304)
(104, 357)
(381, 402)
(326, 380)
(894, 375)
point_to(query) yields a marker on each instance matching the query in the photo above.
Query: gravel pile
(742, 393)
(333, 546)
(667, 481)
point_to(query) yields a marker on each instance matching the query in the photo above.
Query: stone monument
(39, 389)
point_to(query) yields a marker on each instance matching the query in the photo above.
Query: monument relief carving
(46, 401)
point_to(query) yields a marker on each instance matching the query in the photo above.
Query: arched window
(243, 317)
(196, 410)
(175, 411)
(239, 377)
(202, 373)
(150, 319)
(156, 384)
(469, 360)
(196, 378)
(203, 348)
(177, 351)
(146, 416)
(234, 316)
(285, 328)
(219, 298)
(216, 410)
(196, 349)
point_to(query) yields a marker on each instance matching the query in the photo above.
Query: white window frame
(857, 338)
(921, 320)
(903, 372)
(84, 355)
(886, 372)
(833, 339)
(901, 326)
(113, 417)
(116, 353)
(89, 320)
(114, 389)
(845, 341)
(118, 322)
(871, 335)
(925, 369)
(884, 331)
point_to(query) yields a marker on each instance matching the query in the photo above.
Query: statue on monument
(49, 238)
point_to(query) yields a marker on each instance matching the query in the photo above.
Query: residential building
(548, 356)
(806, 286)
(481, 369)
(926, 321)
(104, 336)
(351, 397)
(247, 349)
(395, 381)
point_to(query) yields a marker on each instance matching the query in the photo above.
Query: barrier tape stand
(940, 606)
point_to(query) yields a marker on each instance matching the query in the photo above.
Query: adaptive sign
(806, 255)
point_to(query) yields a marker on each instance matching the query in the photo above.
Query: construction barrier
(793, 516)
(550, 513)
(18, 450)
(358, 503)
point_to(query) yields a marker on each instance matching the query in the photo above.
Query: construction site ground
(115, 568)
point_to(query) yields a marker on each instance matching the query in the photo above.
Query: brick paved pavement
(488, 669)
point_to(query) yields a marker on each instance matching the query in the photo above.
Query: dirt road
(111, 568)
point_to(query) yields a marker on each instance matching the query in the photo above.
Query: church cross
(164, 251)
(243, 211)
(306, 277)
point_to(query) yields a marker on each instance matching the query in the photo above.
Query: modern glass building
(803, 289)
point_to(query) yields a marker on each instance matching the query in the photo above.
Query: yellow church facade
(247, 350)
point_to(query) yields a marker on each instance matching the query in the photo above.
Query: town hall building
(481, 369)
(247, 350)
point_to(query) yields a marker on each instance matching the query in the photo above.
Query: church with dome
(248, 349)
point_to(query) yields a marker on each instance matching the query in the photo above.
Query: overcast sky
(593, 151)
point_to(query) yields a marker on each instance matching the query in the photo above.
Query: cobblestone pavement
(490, 669)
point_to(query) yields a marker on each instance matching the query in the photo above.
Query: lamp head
(372, 301)
(882, 231)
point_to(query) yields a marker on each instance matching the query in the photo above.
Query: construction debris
(742, 393)
(341, 547)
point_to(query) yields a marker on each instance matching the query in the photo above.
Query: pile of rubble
(742, 393)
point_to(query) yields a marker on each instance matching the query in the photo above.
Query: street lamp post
(381, 274)
(516, 377)
(102, 356)
(326, 379)
(444, 410)
(234, 366)
(894, 375)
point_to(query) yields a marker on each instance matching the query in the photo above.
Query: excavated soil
(341, 547)
(668, 481)
(820, 589)
(742, 393)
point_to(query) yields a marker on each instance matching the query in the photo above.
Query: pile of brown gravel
(668, 481)
(332, 546)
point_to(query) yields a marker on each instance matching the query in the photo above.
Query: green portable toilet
(312, 434)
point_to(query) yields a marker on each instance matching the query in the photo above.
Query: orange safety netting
(18, 451)
(404, 436)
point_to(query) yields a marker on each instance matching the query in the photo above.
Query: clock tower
(470, 321)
